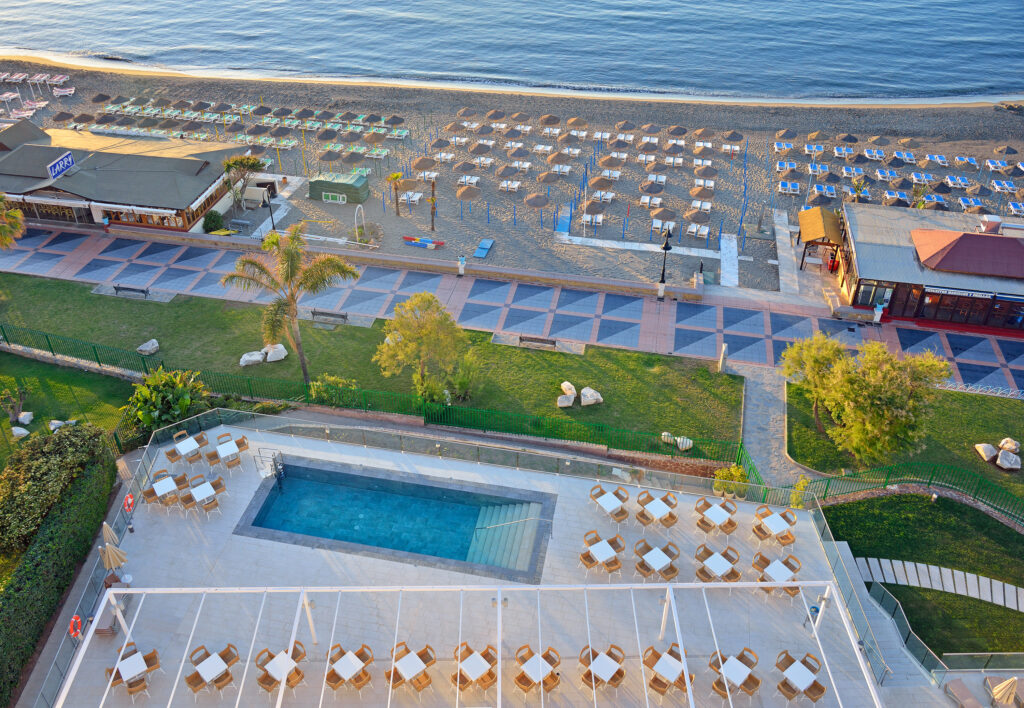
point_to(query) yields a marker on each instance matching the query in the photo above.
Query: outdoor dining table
(602, 551)
(716, 514)
(604, 667)
(164, 485)
(656, 558)
(280, 666)
(348, 665)
(657, 508)
(474, 666)
(410, 666)
(227, 449)
(718, 565)
(211, 667)
(202, 491)
(775, 523)
(799, 676)
(186, 447)
(131, 667)
(778, 572)
(668, 667)
(609, 502)
(537, 668)
(735, 671)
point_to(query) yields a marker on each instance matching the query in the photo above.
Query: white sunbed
(524, 129)
(581, 134)
(649, 139)
(782, 147)
(904, 155)
(662, 226)
(593, 219)
(957, 182)
(789, 187)
(817, 169)
(603, 196)
(966, 160)
(810, 149)
(644, 159)
(571, 151)
(842, 150)
(1016, 208)
(937, 198)
(598, 135)
(732, 150)
(650, 202)
(657, 179)
(444, 156)
(522, 166)
(552, 132)
(509, 186)
(922, 177)
(542, 148)
(499, 126)
(694, 230)
(782, 166)
(411, 197)
(427, 176)
(700, 182)
(993, 165)
(459, 140)
(512, 145)
(698, 162)
(698, 204)
(628, 137)
(1003, 185)
(674, 161)
(939, 160)
(483, 161)
(620, 155)
(561, 169)
(613, 175)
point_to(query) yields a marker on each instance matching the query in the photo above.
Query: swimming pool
(469, 527)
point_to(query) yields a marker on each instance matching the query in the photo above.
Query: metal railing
(984, 661)
(913, 644)
(999, 391)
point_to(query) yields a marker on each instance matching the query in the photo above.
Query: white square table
(717, 564)
(775, 523)
(668, 667)
(604, 667)
(778, 572)
(410, 666)
(474, 666)
(602, 551)
(164, 485)
(131, 666)
(211, 667)
(203, 491)
(348, 665)
(716, 514)
(657, 508)
(186, 447)
(227, 449)
(537, 668)
(656, 558)
(609, 502)
(799, 675)
(280, 666)
(735, 671)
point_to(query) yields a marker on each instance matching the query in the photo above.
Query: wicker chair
(731, 554)
(716, 661)
(651, 656)
(763, 512)
(617, 543)
(213, 458)
(487, 680)
(194, 457)
(181, 482)
(201, 440)
(761, 561)
(702, 553)
(233, 462)
(490, 655)
(188, 502)
(642, 547)
(620, 515)
(644, 518)
(212, 505)
(790, 516)
(812, 663)
(523, 654)
(751, 685)
(784, 660)
(704, 575)
(551, 682)
(116, 680)
(596, 492)
(149, 496)
(195, 682)
(793, 563)
(267, 682)
(219, 487)
(137, 686)
(729, 505)
(669, 572)
(613, 565)
(786, 538)
(223, 681)
(524, 682)
(670, 500)
(295, 678)
(718, 686)
(195, 480)
(172, 455)
(747, 657)
(360, 681)
(587, 656)
(169, 501)
(588, 561)
(552, 657)
(621, 494)
(760, 533)
(461, 681)
(671, 550)
(242, 444)
(298, 651)
(705, 525)
(229, 654)
(427, 655)
(729, 526)
(645, 571)
(153, 662)
(128, 649)
(814, 692)
(732, 576)
(701, 506)
(669, 520)
(644, 498)
(787, 690)
(180, 435)
(263, 658)
(421, 682)
(591, 537)
(223, 438)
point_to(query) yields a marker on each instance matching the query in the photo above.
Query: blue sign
(61, 165)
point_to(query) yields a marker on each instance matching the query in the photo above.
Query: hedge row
(47, 568)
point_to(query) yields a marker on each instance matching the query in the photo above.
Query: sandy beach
(953, 129)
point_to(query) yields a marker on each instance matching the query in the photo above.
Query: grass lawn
(957, 422)
(645, 392)
(948, 534)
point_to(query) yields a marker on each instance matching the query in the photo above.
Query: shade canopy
(676, 131)
(610, 162)
(505, 171)
(600, 183)
(495, 114)
(625, 125)
(820, 226)
(663, 214)
(732, 136)
(701, 193)
(576, 122)
(439, 143)
(327, 135)
(651, 188)
(479, 149)
(785, 134)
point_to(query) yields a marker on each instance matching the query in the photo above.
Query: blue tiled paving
(226, 262)
(692, 314)
(524, 321)
(692, 342)
(527, 295)
(476, 315)
(623, 307)
(162, 253)
(379, 278)
(209, 284)
(489, 291)
(577, 301)
(99, 269)
(40, 263)
(10, 258)
(979, 375)
(327, 300)
(790, 326)
(916, 341)
(1013, 351)
(365, 302)
(176, 279)
(738, 319)
(965, 346)
(123, 248)
(395, 301)
(66, 242)
(1018, 378)
(33, 238)
(778, 347)
(417, 282)
(196, 257)
(136, 274)
(623, 334)
(571, 327)
(748, 349)
(846, 332)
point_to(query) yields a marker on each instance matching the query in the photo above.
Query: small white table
(656, 558)
(410, 666)
(164, 485)
(604, 667)
(211, 667)
(227, 449)
(348, 665)
(799, 675)
(609, 502)
(716, 514)
(202, 492)
(668, 667)
(131, 667)
(776, 524)
(280, 666)
(602, 551)
(474, 666)
(735, 671)
(657, 508)
(778, 572)
(718, 565)
(186, 447)
(537, 668)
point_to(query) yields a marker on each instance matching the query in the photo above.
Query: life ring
(129, 502)
(75, 627)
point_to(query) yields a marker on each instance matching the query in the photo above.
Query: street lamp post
(273, 226)
(665, 248)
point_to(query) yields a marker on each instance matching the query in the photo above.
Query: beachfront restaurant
(941, 266)
(143, 182)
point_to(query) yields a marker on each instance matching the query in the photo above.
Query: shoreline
(129, 68)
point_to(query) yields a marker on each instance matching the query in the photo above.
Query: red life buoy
(75, 627)
(129, 503)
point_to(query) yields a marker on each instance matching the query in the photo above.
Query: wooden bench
(329, 317)
(536, 342)
(144, 292)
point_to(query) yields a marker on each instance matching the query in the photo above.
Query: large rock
(150, 347)
(1010, 445)
(25, 417)
(565, 401)
(55, 424)
(987, 452)
(684, 443)
(668, 438)
(568, 389)
(589, 397)
(275, 352)
(18, 433)
(1007, 460)
(250, 358)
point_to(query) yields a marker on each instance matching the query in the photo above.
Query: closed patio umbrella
(568, 139)
(327, 136)
(1005, 692)
(785, 134)
(261, 111)
(558, 158)
(468, 193)
(547, 177)
(576, 122)
(536, 200)
(651, 188)
(465, 112)
(846, 138)
(505, 171)
(100, 98)
(701, 193)
(625, 125)
(663, 214)
(479, 149)
(650, 128)
(303, 114)
(495, 114)
(697, 216)
(610, 162)
(424, 163)
(282, 112)
(112, 557)
(440, 143)
(706, 172)
(512, 133)
(464, 167)
(518, 153)
(676, 131)
(108, 534)
(550, 120)
(599, 183)
(520, 117)
(732, 136)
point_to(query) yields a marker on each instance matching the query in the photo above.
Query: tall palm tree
(12, 224)
(287, 272)
(393, 179)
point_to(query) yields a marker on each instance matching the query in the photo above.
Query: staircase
(498, 542)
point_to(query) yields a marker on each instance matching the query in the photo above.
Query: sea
(776, 49)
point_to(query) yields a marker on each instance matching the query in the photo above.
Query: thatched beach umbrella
(440, 143)
(424, 163)
(479, 149)
(1004, 150)
(1011, 171)
(655, 166)
(463, 167)
(830, 178)
(732, 136)
(495, 114)
(140, 101)
(650, 128)
(536, 200)
(1019, 193)
(703, 133)
(674, 149)
(118, 100)
(618, 144)
(935, 206)
(282, 112)
(977, 210)
(785, 134)
(549, 120)
(697, 216)
(520, 117)
(234, 127)
(182, 105)
(153, 122)
(221, 108)
(505, 171)
(347, 117)
(303, 114)
(465, 112)
(599, 183)
(201, 106)
(895, 201)
(558, 158)
(576, 122)
(125, 121)
(979, 190)
(352, 158)
(280, 132)
(593, 206)
(326, 116)
(106, 119)
(701, 193)
(483, 129)
(568, 139)
(327, 135)
(518, 153)
(940, 187)
(161, 103)
(856, 159)
(193, 125)
(909, 143)
(846, 138)
(663, 214)
(610, 162)
(373, 138)
(454, 127)
(253, 130)
(410, 184)
(257, 150)
(259, 111)
(394, 120)
(818, 200)
(468, 193)
(901, 183)
(329, 156)
(856, 199)
(624, 125)
(816, 135)
(100, 98)
(349, 136)
(676, 131)
(893, 161)
(547, 177)
(866, 180)
(62, 117)
(706, 172)
(647, 148)
(878, 140)
(791, 173)
(651, 188)
(512, 133)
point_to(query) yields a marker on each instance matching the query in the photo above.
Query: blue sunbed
(483, 248)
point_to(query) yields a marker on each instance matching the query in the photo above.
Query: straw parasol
(568, 139)
(618, 144)
(303, 114)
(512, 133)
(979, 190)
(106, 119)
(468, 193)
(371, 118)
(939, 187)
(140, 101)
(352, 158)
(152, 122)
(483, 129)
(119, 99)
(125, 121)
(410, 184)
(624, 125)
(549, 120)
(935, 206)
(349, 136)
(258, 110)
(161, 103)
(651, 188)
(818, 200)
(1004, 150)
(440, 143)
(701, 193)
(465, 112)
(1005, 692)
(558, 158)
(830, 178)
(454, 127)
(108, 534)
(479, 149)
(895, 201)
(732, 136)
(171, 124)
(278, 132)
(327, 135)
(233, 127)
(650, 128)
(610, 162)
(326, 116)
(1011, 171)
(194, 125)
(257, 150)
(347, 117)
(977, 210)
(221, 108)
(518, 153)
(816, 135)
(424, 163)
(505, 171)
(495, 114)
(791, 173)
(706, 171)
(909, 142)
(867, 180)
(856, 159)
(464, 167)
(112, 556)
(901, 183)
(674, 149)
(62, 117)
(1020, 192)
(878, 140)
(576, 122)
(373, 138)
(282, 112)
(599, 183)
(697, 216)
(846, 138)
(893, 161)
(703, 133)
(647, 148)
(100, 98)
(676, 131)
(655, 166)
(536, 200)
(547, 177)
(785, 134)
(857, 199)
(664, 214)
(520, 117)
(329, 156)
(593, 206)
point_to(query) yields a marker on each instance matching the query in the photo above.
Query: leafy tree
(12, 224)
(213, 221)
(240, 169)
(810, 362)
(287, 271)
(393, 179)
(879, 400)
(13, 403)
(796, 497)
(165, 397)
(468, 378)
(422, 335)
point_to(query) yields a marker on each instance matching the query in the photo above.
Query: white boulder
(589, 397)
(568, 389)
(684, 443)
(275, 352)
(54, 424)
(987, 452)
(1010, 444)
(565, 401)
(668, 438)
(150, 347)
(250, 358)
(25, 417)
(18, 433)
(1007, 460)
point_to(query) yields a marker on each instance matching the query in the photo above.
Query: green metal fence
(58, 345)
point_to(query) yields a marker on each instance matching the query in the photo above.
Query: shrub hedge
(47, 568)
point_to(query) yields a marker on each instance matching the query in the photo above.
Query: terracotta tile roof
(970, 252)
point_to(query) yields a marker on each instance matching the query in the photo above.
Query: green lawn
(957, 422)
(948, 534)
(645, 392)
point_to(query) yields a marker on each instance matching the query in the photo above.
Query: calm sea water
(775, 48)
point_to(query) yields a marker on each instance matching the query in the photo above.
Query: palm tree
(288, 272)
(917, 197)
(12, 224)
(393, 179)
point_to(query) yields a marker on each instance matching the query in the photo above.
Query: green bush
(47, 568)
(468, 378)
(165, 397)
(271, 407)
(213, 221)
(37, 474)
(731, 480)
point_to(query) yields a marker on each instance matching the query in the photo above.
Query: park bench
(327, 317)
(144, 292)
(536, 342)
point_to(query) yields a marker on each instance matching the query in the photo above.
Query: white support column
(664, 613)
(682, 650)
(309, 617)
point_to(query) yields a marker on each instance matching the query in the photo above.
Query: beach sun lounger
(817, 169)
(939, 160)
(701, 182)
(810, 149)
(1016, 208)
(698, 162)
(922, 177)
(1003, 185)
(483, 248)
(512, 145)
(847, 189)
(937, 198)
(561, 169)
(522, 166)
(661, 227)
(469, 179)
(674, 161)
(904, 155)
(483, 161)
(874, 154)
(542, 148)
(965, 160)
(886, 175)
(782, 166)
(789, 187)
(593, 219)
(994, 165)
(509, 186)
(842, 151)
(650, 202)
(613, 175)
(657, 179)
(782, 147)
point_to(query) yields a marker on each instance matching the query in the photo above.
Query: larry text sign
(61, 165)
